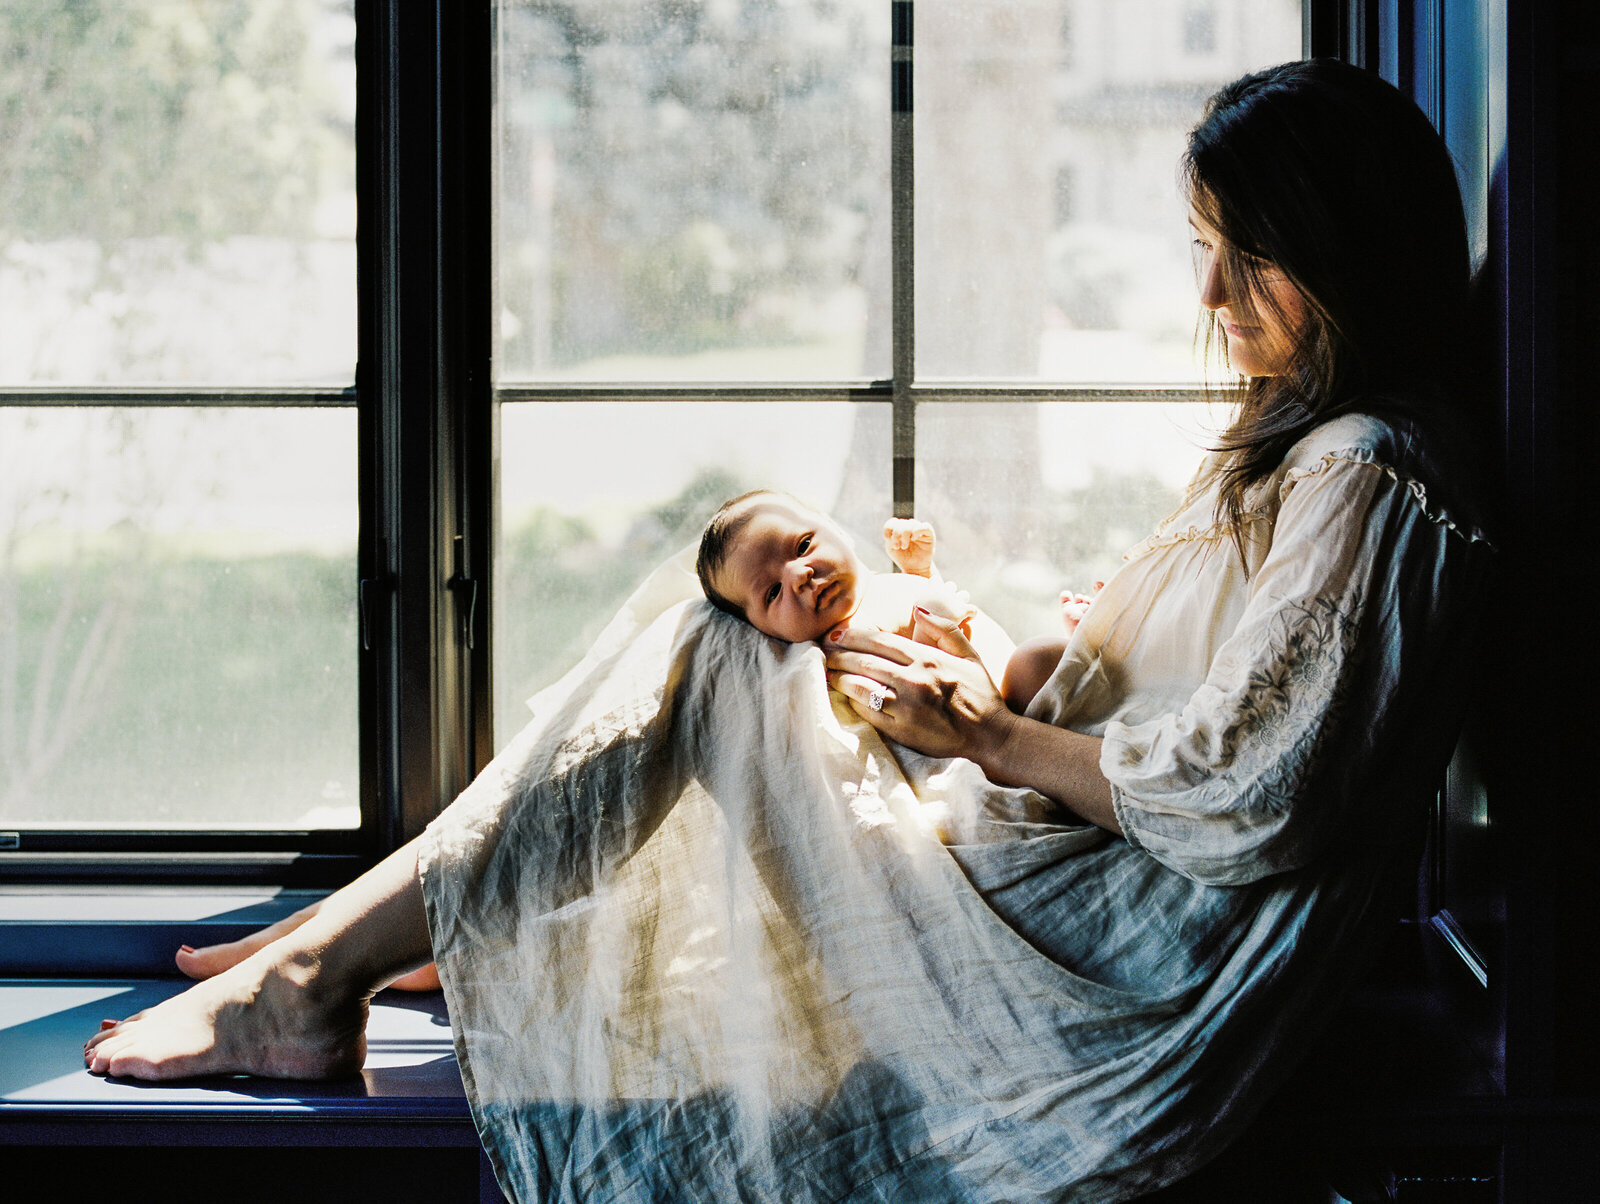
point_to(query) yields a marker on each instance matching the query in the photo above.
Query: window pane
(579, 532)
(693, 191)
(1051, 235)
(177, 192)
(1029, 500)
(177, 618)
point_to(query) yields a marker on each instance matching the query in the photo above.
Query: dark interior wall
(1562, 561)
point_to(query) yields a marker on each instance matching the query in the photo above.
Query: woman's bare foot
(297, 1007)
(269, 1015)
(211, 960)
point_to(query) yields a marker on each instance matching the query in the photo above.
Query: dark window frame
(425, 431)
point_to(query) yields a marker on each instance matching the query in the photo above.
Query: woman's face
(1261, 331)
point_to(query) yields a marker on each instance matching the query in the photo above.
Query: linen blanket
(704, 936)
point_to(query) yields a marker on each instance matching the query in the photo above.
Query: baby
(791, 573)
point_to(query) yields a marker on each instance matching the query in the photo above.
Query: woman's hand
(936, 697)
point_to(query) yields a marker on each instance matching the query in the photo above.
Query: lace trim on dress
(1213, 533)
(1368, 459)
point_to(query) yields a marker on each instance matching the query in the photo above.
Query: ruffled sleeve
(1320, 711)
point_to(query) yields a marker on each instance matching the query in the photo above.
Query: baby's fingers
(939, 632)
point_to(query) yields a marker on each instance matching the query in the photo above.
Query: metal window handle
(364, 618)
(457, 584)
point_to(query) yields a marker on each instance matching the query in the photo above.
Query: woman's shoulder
(1419, 447)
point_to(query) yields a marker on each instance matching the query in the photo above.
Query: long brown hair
(1327, 174)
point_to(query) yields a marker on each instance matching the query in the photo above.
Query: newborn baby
(792, 573)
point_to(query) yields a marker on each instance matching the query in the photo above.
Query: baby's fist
(910, 545)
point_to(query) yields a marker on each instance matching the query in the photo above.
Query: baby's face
(792, 571)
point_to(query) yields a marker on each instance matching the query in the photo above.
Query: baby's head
(785, 569)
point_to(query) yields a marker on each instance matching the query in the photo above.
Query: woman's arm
(941, 701)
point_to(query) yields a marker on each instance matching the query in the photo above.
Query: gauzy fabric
(705, 936)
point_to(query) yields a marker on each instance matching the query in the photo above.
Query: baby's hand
(1074, 606)
(910, 545)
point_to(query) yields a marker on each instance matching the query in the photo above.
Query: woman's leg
(295, 1008)
(210, 960)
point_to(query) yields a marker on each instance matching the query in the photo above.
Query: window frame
(424, 426)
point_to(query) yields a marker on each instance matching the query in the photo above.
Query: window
(178, 459)
(724, 260)
(257, 473)
(1200, 30)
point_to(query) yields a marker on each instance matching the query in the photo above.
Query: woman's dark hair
(1327, 174)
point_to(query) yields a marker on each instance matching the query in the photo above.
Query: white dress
(704, 936)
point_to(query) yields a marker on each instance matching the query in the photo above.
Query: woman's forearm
(1063, 765)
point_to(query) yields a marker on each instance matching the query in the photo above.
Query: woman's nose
(1212, 294)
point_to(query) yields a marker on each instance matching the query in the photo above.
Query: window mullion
(902, 190)
(424, 389)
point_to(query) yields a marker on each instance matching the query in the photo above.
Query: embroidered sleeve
(1267, 762)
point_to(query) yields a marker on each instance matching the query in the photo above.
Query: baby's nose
(799, 572)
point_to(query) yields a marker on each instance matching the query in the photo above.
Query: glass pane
(692, 191)
(1051, 235)
(177, 192)
(1030, 500)
(177, 618)
(579, 532)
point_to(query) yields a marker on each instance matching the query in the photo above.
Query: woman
(1332, 260)
(702, 937)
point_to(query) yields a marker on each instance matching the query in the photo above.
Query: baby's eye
(772, 593)
(805, 542)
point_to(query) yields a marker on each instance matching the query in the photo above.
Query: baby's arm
(909, 542)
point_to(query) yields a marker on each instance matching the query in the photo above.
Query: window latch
(466, 591)
(364, 591)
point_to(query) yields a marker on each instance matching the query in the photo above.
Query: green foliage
(674, 166)
(228, 691)
(191, 119)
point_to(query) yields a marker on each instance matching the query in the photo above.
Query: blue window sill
(123, 931)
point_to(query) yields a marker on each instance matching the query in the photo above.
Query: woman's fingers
(863, 691)
(871, 642)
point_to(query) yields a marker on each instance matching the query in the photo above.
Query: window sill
(405, 1115)
(103, 930)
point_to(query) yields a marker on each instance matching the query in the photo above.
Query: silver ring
(876, 698)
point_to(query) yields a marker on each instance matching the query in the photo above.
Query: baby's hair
(721, 530)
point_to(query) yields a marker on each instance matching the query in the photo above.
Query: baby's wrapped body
(792, 573)
(702, 940)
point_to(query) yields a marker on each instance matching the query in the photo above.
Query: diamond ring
(876, 698)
